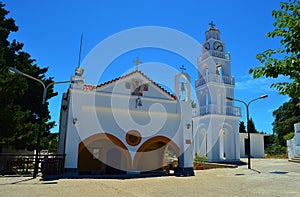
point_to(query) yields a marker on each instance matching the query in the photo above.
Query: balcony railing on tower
(217, 109)
(216, 79)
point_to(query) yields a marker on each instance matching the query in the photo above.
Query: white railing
(215, 78)
(217, 109)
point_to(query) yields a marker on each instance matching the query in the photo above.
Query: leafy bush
(275, 151)
(200, 158)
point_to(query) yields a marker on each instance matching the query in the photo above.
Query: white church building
(124, 126)
(128, 124)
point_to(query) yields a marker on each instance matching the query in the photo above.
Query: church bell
(138, 102)
(182, 89)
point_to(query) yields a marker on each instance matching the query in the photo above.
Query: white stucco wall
(256, 145)
(294, 144)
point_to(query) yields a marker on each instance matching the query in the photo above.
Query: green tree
(20, 97)
(285, 117)
(242, 127)
(193, 104)
(252, 128)
(283, 61)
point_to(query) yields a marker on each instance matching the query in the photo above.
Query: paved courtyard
(269, 177)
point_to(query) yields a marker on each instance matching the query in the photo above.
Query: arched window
(222, 144)
(219, 69)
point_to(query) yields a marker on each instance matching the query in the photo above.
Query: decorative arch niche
(94, 155)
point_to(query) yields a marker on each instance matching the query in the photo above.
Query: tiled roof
(87, 87)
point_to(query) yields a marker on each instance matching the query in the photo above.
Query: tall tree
(242, 128)
(20, 97)
(283, 61)
(285, 117)
(252, 128)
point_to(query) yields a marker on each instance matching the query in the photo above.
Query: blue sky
(51, 33)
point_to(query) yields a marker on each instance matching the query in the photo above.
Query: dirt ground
(268, 177)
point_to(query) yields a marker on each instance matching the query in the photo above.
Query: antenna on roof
(79, 56)
(79, 71)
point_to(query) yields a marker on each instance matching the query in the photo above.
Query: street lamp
(45, 89)
(247, 112)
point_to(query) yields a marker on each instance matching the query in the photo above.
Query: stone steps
(295, 159)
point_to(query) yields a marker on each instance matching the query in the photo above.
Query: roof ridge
(160, 87)
(92, 87)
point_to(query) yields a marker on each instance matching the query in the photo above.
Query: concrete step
(295, 159)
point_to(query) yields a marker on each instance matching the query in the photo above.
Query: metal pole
(38, 141)
(36, 161)
(248, 126)
(45, 89)
(248, 131)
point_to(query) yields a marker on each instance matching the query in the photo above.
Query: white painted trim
(85, 107)
(109, 94)
(216, 115)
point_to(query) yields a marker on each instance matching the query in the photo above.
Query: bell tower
(214, 49)
(216, 119)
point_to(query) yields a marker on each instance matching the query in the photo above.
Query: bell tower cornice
(212, 32)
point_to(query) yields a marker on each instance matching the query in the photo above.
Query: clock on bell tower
(213, 42)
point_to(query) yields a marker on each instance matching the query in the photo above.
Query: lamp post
(247, 112)
(45, 89)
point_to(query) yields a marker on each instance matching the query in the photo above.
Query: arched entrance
(103, 154)
(152, 155)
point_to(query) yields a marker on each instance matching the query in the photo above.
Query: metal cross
(182, 68)
(212, 25)
(136, 62)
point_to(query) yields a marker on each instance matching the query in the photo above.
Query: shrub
(200, 158)
(276, 151)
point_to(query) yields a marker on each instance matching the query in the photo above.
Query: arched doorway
(151, 156)
(103, 154)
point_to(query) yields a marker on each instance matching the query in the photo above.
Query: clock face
(207, 46)
(218, 46)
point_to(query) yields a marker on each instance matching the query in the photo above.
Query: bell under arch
(183, 86)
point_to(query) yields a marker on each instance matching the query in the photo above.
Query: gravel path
(269, 177)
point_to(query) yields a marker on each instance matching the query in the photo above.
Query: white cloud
(256, 85)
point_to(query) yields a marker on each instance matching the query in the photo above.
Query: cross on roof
(182, 68)
(136, 62)
(212, 25)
